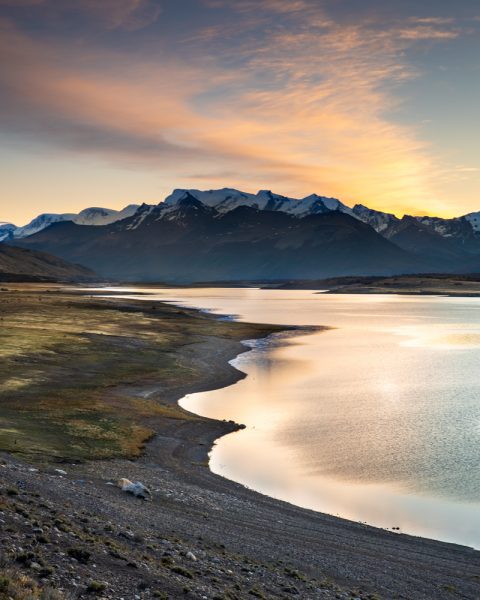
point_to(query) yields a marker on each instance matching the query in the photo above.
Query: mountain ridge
(20, 264)
(225, 234)
(88, 216)
(225, 199)
(195, 242)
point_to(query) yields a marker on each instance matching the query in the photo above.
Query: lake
(376, 419)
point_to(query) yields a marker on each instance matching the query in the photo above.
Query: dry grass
(68, 365)
(15, 585)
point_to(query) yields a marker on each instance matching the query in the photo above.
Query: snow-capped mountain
(448, 239)
(436, 243)
(227, 199)
(228, 234)
(187, 240)
(41, 222)
(104, 216)
(89, 216)
(410, 233)
(388, 224)
(448, 228)
(380, 221)
(433, 237)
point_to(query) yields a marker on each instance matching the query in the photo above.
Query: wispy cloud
(433, 20)
(293, 97)
(322, 110)
(468, 169)
(77, 97)
(429, 32)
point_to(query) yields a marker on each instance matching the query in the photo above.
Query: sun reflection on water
(377, 420)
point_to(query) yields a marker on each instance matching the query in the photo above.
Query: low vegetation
(71, 368)
(15, 585)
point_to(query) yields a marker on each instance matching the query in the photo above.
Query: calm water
(377, 420)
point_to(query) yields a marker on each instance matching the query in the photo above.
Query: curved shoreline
(246, 543)
(350, 553)
(245, 479)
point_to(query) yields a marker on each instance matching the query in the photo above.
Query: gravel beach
(67, 528)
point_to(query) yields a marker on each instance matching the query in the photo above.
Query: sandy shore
(244, 544)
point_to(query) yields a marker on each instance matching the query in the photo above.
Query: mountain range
(88, 216)
(227, 234)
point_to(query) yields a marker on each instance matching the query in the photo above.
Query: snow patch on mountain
(140, 215)
(6, 231)
(192, 202)
(377, 219)
(444, 227)
(41, 222)
(474, 220)
(104, 216)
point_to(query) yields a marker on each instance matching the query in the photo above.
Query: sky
(111, 102)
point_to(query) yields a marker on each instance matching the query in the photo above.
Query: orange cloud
(306, 106)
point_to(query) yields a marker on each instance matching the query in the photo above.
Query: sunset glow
(114, 102)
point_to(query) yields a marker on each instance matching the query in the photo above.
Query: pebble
(127, 534)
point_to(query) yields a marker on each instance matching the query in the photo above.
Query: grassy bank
(71, 366)
(94, 378)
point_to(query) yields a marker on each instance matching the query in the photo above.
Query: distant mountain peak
(227, 199)
(380, 221)
(429, 236)
(187, 203)
(94, 215)
(268, 194)
(229, 234)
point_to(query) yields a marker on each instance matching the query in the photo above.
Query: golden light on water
(442, 337)
(375, 419)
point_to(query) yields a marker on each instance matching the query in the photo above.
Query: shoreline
(433, 284)
(305, 554)
(199, 449)
(289, 331)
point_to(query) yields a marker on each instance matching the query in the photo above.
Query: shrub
(95, 587)
(181, 571)
(83, 556)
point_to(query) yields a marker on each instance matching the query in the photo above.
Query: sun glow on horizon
(295, 97)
